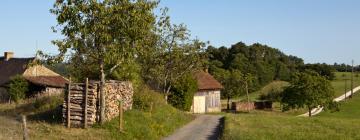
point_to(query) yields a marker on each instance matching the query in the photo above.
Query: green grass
(339, 82)
(45, 123)
(255, 95)
(274, 126)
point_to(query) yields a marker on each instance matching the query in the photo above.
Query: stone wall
(50, 91)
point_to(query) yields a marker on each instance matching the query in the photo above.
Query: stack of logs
(77, 104)
(115, 91)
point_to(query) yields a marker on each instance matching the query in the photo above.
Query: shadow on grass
(47, 109)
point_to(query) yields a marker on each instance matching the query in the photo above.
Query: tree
(232, 81)
(173, 56)
(310, 90)
(17, 87)
(102, 35)
(183, 92)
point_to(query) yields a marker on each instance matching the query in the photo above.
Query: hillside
(272, 125)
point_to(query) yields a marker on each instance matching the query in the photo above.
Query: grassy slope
(259, 125)
(269, 126)
(44, 123)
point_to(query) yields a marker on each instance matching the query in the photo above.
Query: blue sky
(315, 30)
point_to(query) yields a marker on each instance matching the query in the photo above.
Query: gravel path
(204, 127)
(319, 109)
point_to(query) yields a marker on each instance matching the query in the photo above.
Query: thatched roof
(51, 81)
(12, 67)
(207, 82)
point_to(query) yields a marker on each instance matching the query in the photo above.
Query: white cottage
(207, 99)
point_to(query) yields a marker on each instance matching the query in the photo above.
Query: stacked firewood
(77, 104)
(116, 92)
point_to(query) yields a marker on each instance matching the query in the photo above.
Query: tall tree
(309, 90)
(173, 56)
(106, 33)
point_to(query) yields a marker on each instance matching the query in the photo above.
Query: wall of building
(212, 100)
(39, 70)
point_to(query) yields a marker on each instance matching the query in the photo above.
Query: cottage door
(199, 104)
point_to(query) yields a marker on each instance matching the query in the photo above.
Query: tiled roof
(206, 82)
(12, 67)
(52, 81)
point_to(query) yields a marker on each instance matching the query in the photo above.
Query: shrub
(147, 100)
(17, 88)
(273, 92)
(183, 93)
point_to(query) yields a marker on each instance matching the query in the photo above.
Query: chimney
(8, 55)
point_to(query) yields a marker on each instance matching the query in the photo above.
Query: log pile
(114, 92)
(77, 104)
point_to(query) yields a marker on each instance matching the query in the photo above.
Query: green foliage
(322, 69)
(18, 87)
(273, 91)
(264, 63)
(102, 35)
(173, 55)
(146, 99)
(308, 90)
(182, 93)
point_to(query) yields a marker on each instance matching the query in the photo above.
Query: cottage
(41, 79)
(207, 99)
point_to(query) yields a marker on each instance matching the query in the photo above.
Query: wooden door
(199, 104)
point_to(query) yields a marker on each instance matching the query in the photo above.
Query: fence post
(26, 136)
(121, 116)
(68, 104)
(86, 102)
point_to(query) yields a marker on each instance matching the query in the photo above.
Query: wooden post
(26, 135)
(86, 102)
(68, 104)
(121, 116)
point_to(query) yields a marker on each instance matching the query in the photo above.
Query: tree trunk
(228, 103)
(309, 111)
(247, 95)
(102, 92)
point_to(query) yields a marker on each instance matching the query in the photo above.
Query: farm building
(41, 79)
(207, 98)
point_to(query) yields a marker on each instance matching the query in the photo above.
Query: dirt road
(204, 127)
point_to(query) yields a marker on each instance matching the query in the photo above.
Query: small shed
(207, 98)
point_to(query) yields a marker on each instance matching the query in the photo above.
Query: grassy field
(339, 82)
(274, 126)
(261, 125)
(44, 122)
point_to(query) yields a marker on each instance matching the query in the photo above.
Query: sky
(315, 30)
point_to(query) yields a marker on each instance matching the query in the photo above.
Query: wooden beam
(68, 104)
(86, 102)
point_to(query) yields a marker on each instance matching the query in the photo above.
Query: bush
(17, 88)
(273, 92)
(147, 100)
(183, 92)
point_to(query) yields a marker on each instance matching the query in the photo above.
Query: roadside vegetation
(150, 119)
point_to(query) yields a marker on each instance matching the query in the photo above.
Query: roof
(206, 82)
(12, 67)
(52, 81)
